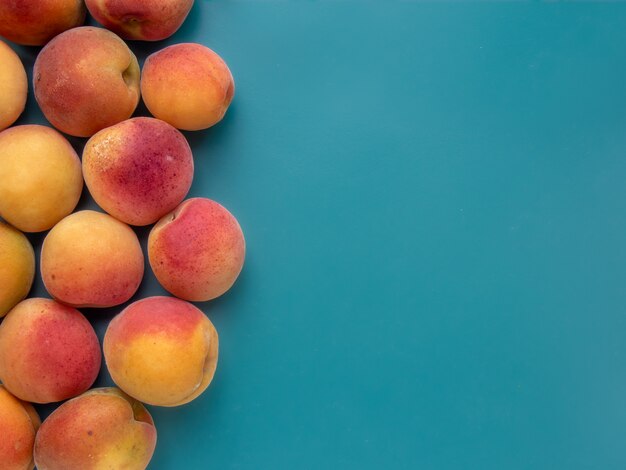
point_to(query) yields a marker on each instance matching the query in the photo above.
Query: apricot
(138, 170)
(17, 267)
(18, 424)
(90, 259)
(35, 22)
(147, 20)
(48, 351)
(86, 79)
(162, 351)
(13, 86)
(197, 251)
(101, 429)
(187, 85)
(41, 177)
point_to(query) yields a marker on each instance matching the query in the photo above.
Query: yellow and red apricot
(90, 259)
(48, 351)
(86, 79)
(147, 20)
(162, 351)
(18, 425)
(17, 267)
(103, 428)
(13, 86)
(187, 85)
(138, 170)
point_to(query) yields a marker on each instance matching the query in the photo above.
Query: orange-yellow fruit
(18, 424)
(162, 351)
(187, 85)
(17, 267)
(40, 177)
(13, 86)
(90, 259)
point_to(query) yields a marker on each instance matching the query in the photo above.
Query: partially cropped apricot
(48, 351)
(41, 179)
(18, 424)
(13, 86)
(17, 267)
(101, 429)
(35, 22)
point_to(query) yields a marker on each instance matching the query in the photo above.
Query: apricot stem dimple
(127, 75)
(131, 20)
(172, 215)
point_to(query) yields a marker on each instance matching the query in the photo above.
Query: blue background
(434, 201)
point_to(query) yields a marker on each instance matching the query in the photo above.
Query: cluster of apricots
(162, 350)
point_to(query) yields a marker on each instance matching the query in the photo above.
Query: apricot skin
(35, 22)
(18, 424)
(147, 20)
(48, 351)
(187, 85)
(90, 259)
(17, 267)
(198, 251)
(36, 199)
(13, 86)
(162, 351)
(86, 79)
(138, 170)
(101, 429)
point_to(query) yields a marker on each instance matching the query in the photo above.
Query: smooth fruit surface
(197, 251)
(17, 267)
(90, 259)
(13, 86)
(18, 424)
(101, 429)
(147, 20)
(162, 351)
(35, 22)
(187, 85)
(48, 351)
(86, 79)
(138, 170)
(40, 177)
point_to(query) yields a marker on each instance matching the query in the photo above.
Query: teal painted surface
(434, 201)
